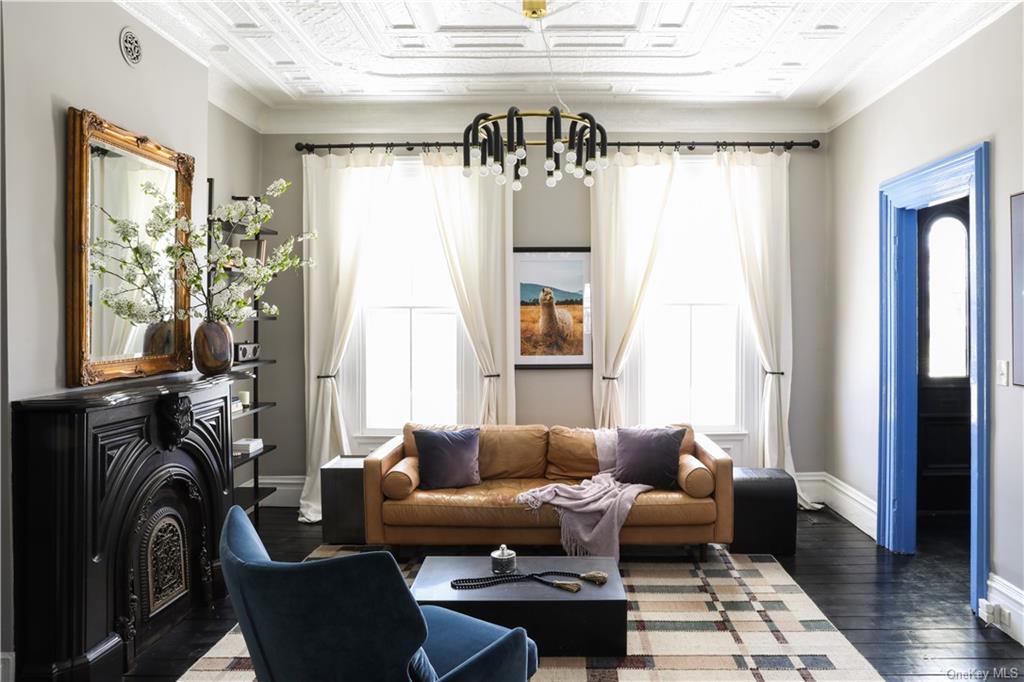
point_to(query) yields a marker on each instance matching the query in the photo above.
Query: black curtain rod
(676, 145)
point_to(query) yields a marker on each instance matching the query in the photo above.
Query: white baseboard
(6, 666)
(842, 498)
(289, 489)
(1011, 599)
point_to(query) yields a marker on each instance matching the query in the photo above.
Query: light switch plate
(1003, 372)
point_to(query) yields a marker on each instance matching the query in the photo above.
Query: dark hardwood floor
(908, 615)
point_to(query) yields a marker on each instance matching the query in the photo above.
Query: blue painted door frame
(965, 172)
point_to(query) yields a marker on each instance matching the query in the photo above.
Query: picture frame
(554, 320)
(1017, 278)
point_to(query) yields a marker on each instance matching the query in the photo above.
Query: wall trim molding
(1011, 598)
(289, 489)
(6, 666)
(842, 498)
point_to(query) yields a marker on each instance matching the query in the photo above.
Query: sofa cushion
(648, 455)
(572, 453)
(402, 479)
(492, 505)
(448, 459)
(695, 479)
(506, 450)
(513, 451)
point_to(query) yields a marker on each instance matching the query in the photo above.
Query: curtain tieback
(327, 376)
(491, 376)
(603, 378)
(780, 374)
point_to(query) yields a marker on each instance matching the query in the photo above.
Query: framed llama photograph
(553, 286)
(1017, 278)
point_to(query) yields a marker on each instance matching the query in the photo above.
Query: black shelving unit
(249, 497)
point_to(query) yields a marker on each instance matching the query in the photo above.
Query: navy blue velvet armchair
(353, 618)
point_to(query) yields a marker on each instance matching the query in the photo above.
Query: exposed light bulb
(496, 168)
(523, 171)
(549, 165)
(578, 173)
(500, 179)
(510, 158)
(516, 185)
(484, 171)
(571, 156)
(590, 165)
(605, 162)
(557, 175)
(466, 171)
(570, 166)
(550, 182)
(559, 146)
(521, 153)
(589, 181)
(474, 153)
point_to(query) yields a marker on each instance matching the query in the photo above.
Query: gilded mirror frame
(85, 127)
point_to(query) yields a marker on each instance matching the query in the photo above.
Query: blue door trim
(965, 172)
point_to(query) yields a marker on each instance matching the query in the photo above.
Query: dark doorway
(944, 394)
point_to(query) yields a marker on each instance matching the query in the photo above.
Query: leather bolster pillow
(695, 479)
(402, 479)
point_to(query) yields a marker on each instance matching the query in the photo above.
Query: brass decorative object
(535, 9)
(166, 560)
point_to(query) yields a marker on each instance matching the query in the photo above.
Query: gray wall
(164, 97)
(561, 217)
(233, 161)
(970, 95)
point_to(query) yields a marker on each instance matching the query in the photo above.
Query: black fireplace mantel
(119, 493)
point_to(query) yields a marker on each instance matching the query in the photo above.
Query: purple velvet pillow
(448, 459)
(648, 455)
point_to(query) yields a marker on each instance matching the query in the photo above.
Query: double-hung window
(693, 358)
(408, 354)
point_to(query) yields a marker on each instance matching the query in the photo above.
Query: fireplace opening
(168, 571)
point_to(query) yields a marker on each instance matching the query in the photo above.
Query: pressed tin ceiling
(802, 53)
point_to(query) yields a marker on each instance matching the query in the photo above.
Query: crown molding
(451, 119)
(232, 98)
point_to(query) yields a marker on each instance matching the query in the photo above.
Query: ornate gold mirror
(122, 289)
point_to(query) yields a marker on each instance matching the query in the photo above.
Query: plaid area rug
(733, 617)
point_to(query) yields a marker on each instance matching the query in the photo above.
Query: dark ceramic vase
(159, 338)
(212, 348)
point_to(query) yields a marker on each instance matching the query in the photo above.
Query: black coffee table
(591, 622)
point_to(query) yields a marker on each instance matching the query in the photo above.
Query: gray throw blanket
(591, 513)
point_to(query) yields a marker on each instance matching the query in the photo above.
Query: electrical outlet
(1003, 372)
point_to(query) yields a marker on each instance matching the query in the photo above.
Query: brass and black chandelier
(574, 144)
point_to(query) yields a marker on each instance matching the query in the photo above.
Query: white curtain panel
(474, 219)
(627, 210)
(338, 192)
(756, 188)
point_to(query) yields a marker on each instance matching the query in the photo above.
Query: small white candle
(243, 397)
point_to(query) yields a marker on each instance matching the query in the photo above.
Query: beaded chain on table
(596, 577)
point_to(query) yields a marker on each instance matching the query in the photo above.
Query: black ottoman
(764, 508)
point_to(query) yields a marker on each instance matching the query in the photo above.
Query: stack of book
(247, 446)
(236, 404)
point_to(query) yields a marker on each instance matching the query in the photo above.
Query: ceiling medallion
(503, 155)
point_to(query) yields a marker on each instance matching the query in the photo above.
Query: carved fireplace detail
(119, 496)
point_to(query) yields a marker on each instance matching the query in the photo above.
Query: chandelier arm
(466, 145)
(591, 138)
(549, 139)
(498, 148)
(511, 117)
(603, 140)
(477, 121)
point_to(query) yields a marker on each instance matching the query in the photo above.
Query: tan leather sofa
(518, 458)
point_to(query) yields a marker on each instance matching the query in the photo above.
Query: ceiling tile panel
(801, 53)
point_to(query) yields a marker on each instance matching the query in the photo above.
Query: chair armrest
(720, 463)
(504, 660)
(376, 465)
